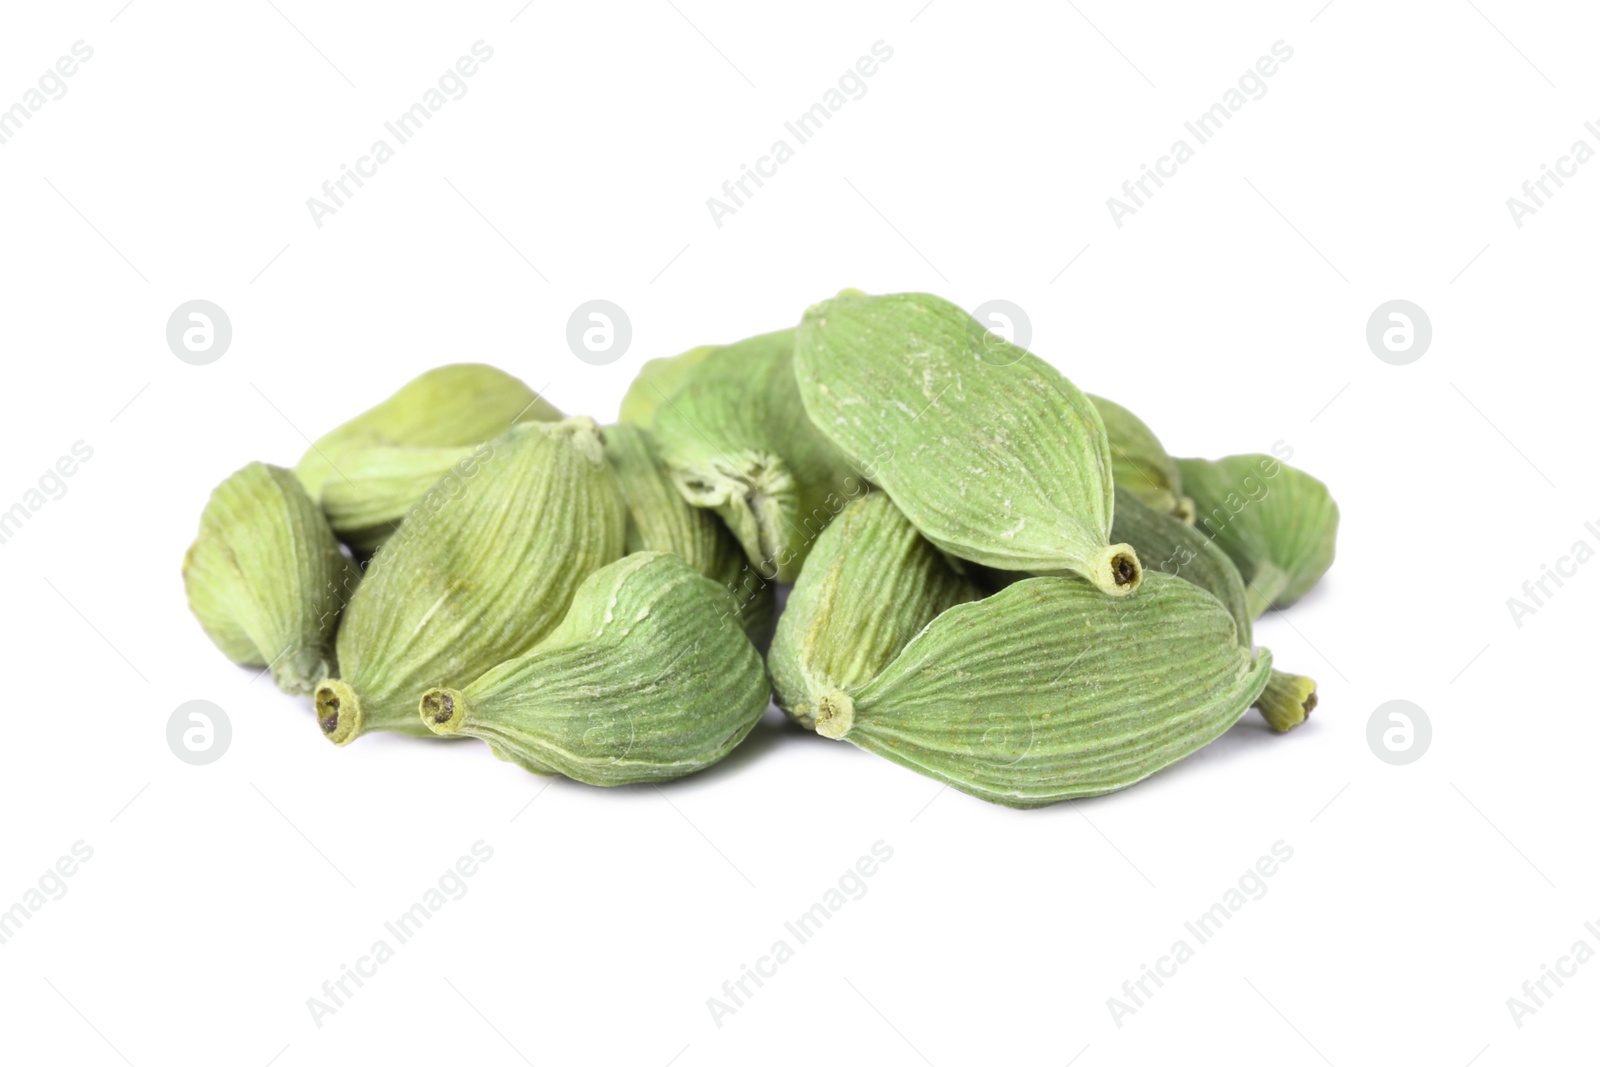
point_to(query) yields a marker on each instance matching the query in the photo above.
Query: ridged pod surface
(1173, 547)
(1049, 690)
(987, 449)
(655, 383)
(266, 579)
(648, 678)
(477, 574)
(1140, 464)
(870, 586)
(450, 407)
(1276, 523)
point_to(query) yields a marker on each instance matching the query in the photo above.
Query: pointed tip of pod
(442, 710)
(835, 715)
(1117, 571)
(338, 711)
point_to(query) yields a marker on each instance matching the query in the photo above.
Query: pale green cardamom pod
(871, 585)
(451, 406)
(478, 573)
(266, 579)
(655, 383)
(1140, 464)
(648, 678)
(989, 451)
(1172, 547)
(1276, 523)
(376, 486)
(660, 520)
(737, 440)
(1049, 690)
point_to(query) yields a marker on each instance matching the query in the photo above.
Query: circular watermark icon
(599, 332)
(1399, 332)
(199, 332)
(1006, 322)
(199, 732)
(1399, 732)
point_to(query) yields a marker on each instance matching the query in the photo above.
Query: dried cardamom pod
(1140, 464)
(1049, 690)
(266, 579)
(455, 405)
(376, 486)
(1172, 547)
(737, 441)
(871, 585)
(477, 574)
(988, 450)
(648, 678)
(660, 520)
(655, 383)
(1276, 523)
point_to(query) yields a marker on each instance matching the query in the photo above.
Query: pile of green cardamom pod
(997, 581)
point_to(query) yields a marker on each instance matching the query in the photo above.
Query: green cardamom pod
(1048, 690)
(1276, 523)
(660, 520)
(871, 585)
(648, 678)
(1172, 547)
(266, 579)
(478, 573)
(1140, 464)
(655, 383)
(455, 405)
(737, 441)
(986, 448)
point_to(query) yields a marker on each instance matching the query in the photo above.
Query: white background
(1230, 312)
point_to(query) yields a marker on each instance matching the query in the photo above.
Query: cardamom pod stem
(1287, 700)
(477, 574)
(266, 579)
(648, 678)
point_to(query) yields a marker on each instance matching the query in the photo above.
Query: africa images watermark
(1565, 567)
(52, 85)
(851, 885)
(1203, 128)
(52, 485)
(52, 885)
(1537, 190)
(1251, 885)
(451, 885)
(1536, 992)
(809, 123)
(402, 128)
